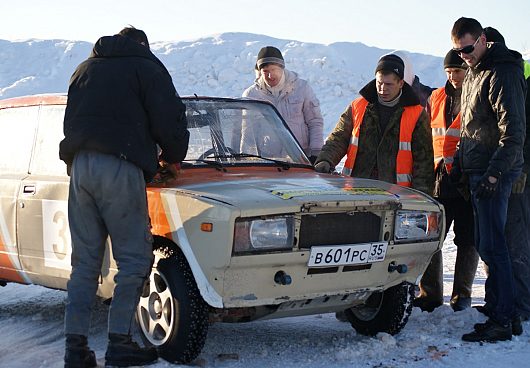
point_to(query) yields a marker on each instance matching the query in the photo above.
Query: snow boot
(77, 353)
(459, 304)
(490, 331)
(123, 352)
(517, 326)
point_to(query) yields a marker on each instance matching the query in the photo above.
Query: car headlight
(417, 225)
(263, 234)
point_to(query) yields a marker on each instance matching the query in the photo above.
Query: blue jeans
(106, 198)
(490, 220)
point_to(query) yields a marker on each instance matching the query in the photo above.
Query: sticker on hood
(291, 193)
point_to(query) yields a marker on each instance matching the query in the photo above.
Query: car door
(17, 135)
(42, 223)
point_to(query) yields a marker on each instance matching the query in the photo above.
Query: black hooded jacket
(122, 101)
(493, 113)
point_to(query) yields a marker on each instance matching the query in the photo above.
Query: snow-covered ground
(31, 317)
(31, 320)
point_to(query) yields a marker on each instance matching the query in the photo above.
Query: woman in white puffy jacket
(293, 97)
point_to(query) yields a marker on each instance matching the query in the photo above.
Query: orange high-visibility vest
(404, 161)
(444, 139)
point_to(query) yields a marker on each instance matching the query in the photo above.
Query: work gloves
(485, 188)
(167, 172)
(323, 167)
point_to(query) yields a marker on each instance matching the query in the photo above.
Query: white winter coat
(298, 106)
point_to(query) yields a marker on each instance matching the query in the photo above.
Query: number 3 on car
(341, 255)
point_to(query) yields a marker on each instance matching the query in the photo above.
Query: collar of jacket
(450, 90)
(498, 53)
(290, 78)
(408, 97)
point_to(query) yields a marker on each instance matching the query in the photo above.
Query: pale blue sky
(415, 25)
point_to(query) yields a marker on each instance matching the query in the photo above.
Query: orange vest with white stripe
(444, 139)
(404, 161)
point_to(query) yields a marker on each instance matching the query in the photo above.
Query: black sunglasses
(467, 49)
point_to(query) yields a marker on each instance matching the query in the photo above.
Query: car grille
(339, 228)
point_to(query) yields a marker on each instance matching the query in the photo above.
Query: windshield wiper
(284, 165)
(216, 164)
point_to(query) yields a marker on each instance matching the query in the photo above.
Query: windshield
(238, 132)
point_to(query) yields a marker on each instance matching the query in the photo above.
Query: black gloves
(485, 188)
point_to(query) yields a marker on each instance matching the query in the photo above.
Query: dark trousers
(458, 212)
(490, 220)
(518, 241)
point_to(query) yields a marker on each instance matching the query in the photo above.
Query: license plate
(340, 255)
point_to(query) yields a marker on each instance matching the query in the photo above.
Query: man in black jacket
(518, 220)
(121, 104)
(490, 152)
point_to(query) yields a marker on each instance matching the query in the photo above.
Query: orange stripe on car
(159, 221)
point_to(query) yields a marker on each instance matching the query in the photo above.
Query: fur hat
(269, 55)
(453, 60)
(391, 63)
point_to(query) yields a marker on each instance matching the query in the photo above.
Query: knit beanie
(391, 63)
(408, 71)
(453, 60)
(268, 55)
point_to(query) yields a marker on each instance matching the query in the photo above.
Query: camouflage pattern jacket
(378, 149)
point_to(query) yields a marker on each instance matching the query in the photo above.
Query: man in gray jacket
(292, 96)
(490, 152)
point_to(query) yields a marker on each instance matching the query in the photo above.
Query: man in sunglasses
(517, 230)
(490, 153)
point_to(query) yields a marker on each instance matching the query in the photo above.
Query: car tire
(171, 314)
(386, 311)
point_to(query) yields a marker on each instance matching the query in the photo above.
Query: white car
(250, 231)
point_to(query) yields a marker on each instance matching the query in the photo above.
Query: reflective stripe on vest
(444, 139)
(404, 161)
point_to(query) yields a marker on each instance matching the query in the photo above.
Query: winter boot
(490, 331)
(431, 285)
(123, 352)
(459, 304)
(77, 353)
(517, 326)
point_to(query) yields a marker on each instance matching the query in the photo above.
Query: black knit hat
(492, 35)
(391, 63)
(269, 55)
(453, 60)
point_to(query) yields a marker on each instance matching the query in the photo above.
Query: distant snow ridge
(219, 65)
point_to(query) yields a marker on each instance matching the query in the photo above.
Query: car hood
(281, 194)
